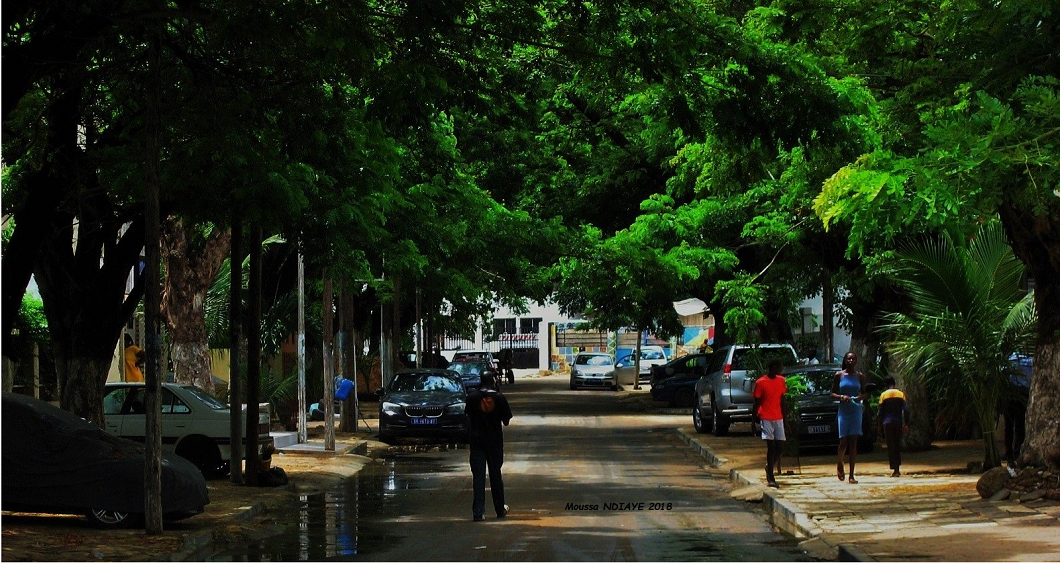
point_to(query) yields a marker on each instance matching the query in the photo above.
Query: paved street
(641, 494)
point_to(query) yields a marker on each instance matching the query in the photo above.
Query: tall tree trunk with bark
(191, 265)
(85, 302)
(1036, 241)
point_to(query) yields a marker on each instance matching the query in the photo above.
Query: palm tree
(968, 316)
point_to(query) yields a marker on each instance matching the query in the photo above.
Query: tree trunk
(86, 306)
(253, 320)
(1042, 446)
(1036, 241)
(46, 188)
(190, 267)
(81, 383)
(826, 346)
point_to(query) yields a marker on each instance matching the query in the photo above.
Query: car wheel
(205, 455)
(386, 439)
(719, 422)
(684, 397)
(572, 387)
(703, 425)
(110, 518)
(614, 387)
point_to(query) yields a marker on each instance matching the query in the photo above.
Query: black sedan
(57, 463)
(816, 413)
(675, 381)
(423, 403)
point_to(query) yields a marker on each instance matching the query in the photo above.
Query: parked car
(423, 403)
(473, 355)
(593, 369)
(470, 371)
(55, 462)
(816, 416)
(723, 395)
(195, 424)
(650, 356)
(675, 381)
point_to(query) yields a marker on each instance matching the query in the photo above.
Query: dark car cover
(54, 461)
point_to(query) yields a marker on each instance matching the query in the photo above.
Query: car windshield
(424, 382)
(817, 382)
(468, 368)
(652, 355)
(206, 398)
(593, 360)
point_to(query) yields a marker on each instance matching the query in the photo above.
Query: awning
(689, 307)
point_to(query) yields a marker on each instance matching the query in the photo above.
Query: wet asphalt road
(642, 495)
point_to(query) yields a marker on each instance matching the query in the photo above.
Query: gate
(525, 349)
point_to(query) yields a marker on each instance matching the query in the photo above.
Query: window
(503, 326)
(171, 404)
(529, 325)
(113, 401)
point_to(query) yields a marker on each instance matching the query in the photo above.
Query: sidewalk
(931, 513)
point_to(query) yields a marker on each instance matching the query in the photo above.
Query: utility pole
(302, 438)
(329, 365)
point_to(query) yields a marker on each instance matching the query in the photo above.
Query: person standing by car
(893, 422)
(849, 389)
(487, 409)
(134, 358)
(768, 411)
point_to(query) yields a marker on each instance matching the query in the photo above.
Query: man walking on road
(487, 409)
(768, 391)
(893, 422)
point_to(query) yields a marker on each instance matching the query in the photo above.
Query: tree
(974, 136)
(969, 315)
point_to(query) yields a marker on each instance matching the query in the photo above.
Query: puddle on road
(346, 520)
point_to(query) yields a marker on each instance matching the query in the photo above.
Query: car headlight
(457, 408)
(575, 373)
(391, 408)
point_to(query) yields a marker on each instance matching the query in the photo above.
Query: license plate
(424, 421)
(825, 429)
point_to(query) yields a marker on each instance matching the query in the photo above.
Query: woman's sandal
(853, 481)
(839, 473)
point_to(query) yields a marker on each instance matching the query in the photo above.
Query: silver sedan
(593, 369)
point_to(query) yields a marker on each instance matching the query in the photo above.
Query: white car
(195, 424)
(649, 356)
(593, 369)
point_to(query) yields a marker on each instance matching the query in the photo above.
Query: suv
(723, 395)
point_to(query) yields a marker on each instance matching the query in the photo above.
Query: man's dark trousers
(482, 458)
(893, 433)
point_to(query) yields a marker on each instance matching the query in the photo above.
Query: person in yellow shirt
(134, 358)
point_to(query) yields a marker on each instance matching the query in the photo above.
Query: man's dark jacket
(484, 428)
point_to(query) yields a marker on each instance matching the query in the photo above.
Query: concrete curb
(783, 515)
